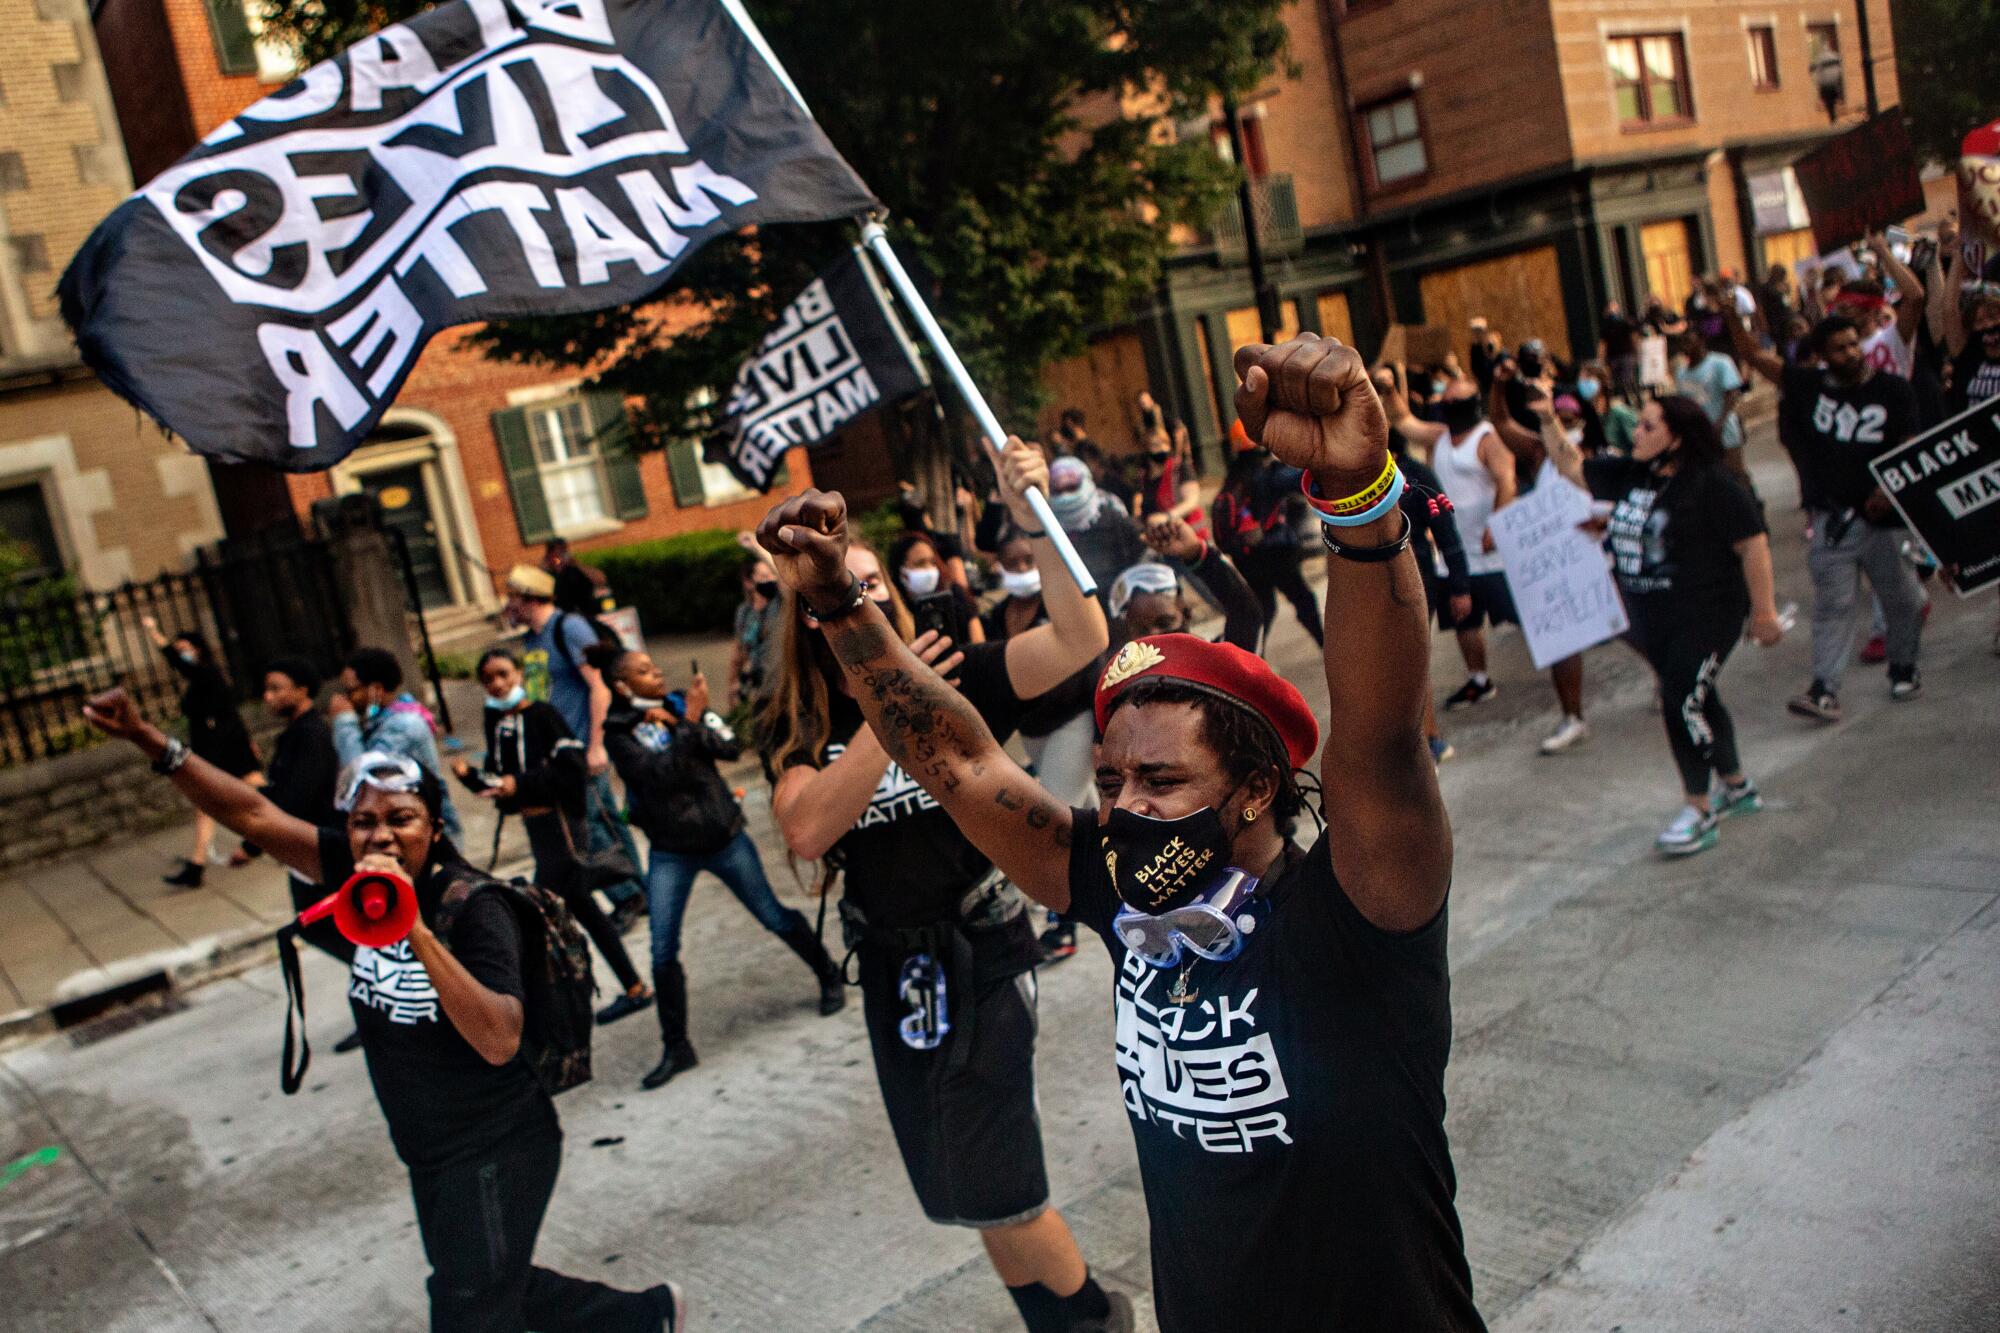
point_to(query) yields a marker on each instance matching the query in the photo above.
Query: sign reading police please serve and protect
(1946, 484)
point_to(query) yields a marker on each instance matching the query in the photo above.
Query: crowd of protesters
(878, 688)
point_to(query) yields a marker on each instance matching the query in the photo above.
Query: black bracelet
(1369, 555)
(855, 598)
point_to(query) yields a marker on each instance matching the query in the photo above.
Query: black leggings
(1688, 656)
(555, 868)
(1277, 571)
(478, 1220)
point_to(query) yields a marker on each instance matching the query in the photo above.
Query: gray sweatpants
(1836, 568)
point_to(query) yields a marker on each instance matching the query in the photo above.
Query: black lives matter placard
(835, 354)
(266, 296)
(1946, 484)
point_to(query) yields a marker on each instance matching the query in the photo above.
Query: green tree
(1948, 70)
(1030, 209)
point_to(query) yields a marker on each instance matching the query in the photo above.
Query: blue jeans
(670, 879)
(605, 830)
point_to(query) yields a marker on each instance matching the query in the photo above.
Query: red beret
(1222, 669)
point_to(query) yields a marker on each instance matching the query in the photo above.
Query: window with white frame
(567, 459)
(1395, 140)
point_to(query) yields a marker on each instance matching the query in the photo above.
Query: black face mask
(1157, 864)
(1461, 414)
(767, 589)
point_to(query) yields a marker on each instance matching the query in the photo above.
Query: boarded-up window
(1334, 321)
(1669, 261)
(1244, 327)
(1520, 295)
(1103, 382)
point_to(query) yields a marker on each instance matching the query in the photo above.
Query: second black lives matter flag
(1946, 485)
(836, 353)
(265, 297)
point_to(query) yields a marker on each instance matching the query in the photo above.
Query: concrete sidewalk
(75, 931)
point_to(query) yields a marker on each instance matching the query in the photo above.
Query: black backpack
(607, 637)
(556, 977)
(556, 982)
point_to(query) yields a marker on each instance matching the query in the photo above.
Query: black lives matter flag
(266, 296)
(836, 353)
(1946, 485)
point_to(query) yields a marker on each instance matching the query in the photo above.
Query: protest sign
(1654, 370)
(624, 622)
(484, 159)
(836, 354)
(1946, 485)
(1860, 182)
(1555, 571)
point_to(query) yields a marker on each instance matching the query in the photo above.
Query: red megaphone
(373, 908)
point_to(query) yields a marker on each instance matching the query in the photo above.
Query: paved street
(1754, 1090)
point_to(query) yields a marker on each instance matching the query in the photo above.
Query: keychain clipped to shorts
(922, 988)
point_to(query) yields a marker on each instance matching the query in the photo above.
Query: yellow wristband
(1365, 497)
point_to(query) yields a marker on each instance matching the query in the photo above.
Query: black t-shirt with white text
(904, 863)
(1839, 427)
(443, 1101)
(1289, 1114)
(1672, 539)
(1974, 378)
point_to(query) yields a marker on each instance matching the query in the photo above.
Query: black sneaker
(1905, 683)
(1470, 693)
(187, 877)
(623, 1007)
(672, 1304)
(1059, 942)
(1817, 702)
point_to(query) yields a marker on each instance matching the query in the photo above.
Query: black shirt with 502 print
(1839, 427)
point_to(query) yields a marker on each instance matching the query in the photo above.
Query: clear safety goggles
(380, 770)
(1148, 576)
(1213, 928)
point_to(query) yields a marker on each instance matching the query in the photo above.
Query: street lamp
(1829, 80)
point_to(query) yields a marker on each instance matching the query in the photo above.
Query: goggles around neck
(380, 770)
(1212, 927)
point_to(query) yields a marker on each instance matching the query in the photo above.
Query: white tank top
(1472, 491)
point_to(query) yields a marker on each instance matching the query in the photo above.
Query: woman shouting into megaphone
(441, 1015)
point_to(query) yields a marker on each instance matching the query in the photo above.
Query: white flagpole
(876, 238)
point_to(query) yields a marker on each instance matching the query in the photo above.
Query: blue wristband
(1370, 514)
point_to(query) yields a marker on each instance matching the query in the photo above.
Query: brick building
(478, 462)
(1432, 161)
(86, 486)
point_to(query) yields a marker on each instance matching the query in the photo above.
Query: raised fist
(806, 537)
(1310, 403)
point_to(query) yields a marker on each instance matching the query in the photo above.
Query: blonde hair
(796, 718)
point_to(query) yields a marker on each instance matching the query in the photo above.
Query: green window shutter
(614, 445)
(517, 455)
(235, 44)
(684, 470)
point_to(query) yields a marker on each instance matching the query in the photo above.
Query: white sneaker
(1573, 732)
(1692, 831)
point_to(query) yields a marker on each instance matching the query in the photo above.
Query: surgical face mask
(921, 582)
(1156, 865)
(509, 701)
(1438, 387)
(1574, 434)
(189, 656)
(1586, 388)
(1461, 414)
(1027, 583)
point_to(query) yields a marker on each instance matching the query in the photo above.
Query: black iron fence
(250, 601)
